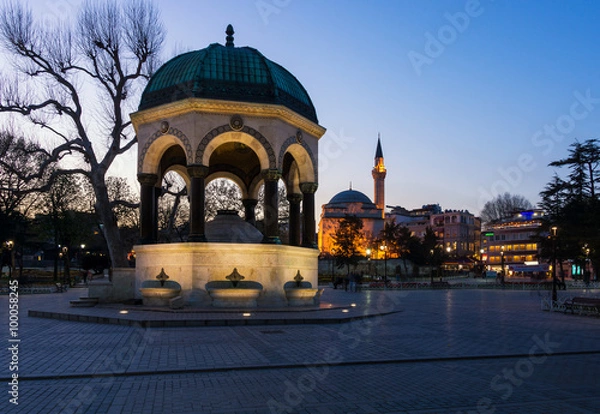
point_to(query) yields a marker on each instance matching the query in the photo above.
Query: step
(84, 302)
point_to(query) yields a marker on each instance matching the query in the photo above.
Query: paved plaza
(426, 351)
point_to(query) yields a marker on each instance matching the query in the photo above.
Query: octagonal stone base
(193, 265)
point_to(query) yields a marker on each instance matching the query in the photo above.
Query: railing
(470, 284)
(30, 290)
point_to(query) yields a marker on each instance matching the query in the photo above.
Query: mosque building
(458, 231)
(355, 203)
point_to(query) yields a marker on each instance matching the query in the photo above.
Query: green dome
(229, 73)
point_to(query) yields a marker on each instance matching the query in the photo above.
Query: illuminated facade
(458, 231)
(356, 203)
(511, 241)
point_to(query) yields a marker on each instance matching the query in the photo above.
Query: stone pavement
(430, 351)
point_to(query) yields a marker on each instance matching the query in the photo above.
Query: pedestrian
(353, 282)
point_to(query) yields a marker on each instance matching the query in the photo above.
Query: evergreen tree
(573, 205)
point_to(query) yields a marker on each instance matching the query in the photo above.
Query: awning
(530, 268)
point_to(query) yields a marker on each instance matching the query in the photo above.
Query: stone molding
(213, 106)
(185, 142)
(215, 132)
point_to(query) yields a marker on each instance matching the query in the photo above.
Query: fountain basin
(224, 295)
(153, 294)
(302, 294)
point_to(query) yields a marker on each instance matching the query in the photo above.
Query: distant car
(491, 273)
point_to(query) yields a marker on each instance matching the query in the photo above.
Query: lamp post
(66, 269)
(431, 265)
(554, 231)
(383, 248)
(369, 260)
(502, 265)
(586, 277)
(481, 265)
(448, 250)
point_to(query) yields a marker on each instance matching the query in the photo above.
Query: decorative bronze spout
(235, 277)
(162, 277)
(298, 279)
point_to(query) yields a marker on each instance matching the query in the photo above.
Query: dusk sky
(471, 98)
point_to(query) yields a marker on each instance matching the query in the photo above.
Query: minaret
(379, 173)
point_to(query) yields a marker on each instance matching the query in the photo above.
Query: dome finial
(229, 39)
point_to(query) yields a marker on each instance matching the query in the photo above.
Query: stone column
(271, 220)
(308, 210)
(295, 224)
(157, 193)
(197, 174)
(147, 207)
(249, 210)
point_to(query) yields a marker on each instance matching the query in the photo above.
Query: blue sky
(471, 98)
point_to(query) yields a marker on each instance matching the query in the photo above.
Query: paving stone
(443, 351)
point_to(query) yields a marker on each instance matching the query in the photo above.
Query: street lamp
(502, 265)
(383, 248)
(448, 250)
(586, 276)
(65, 257)
(481, 265)
(431, 265)
(554, 231)
(369, 251)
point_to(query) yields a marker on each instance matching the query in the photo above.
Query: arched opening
(222, 194)
(236, 160)
(173, 207)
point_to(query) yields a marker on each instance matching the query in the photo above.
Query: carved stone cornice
(213, 106)
(197, 170)
(308, 188)
(147, 179)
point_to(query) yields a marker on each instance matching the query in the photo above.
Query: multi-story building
(459, 231)
(510, 244)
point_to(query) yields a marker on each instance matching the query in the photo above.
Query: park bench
(583, 305)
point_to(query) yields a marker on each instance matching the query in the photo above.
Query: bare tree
(16, 155)
(78, 83)
(173, 208)
(503, 206)
(126, 203)
(222, 194)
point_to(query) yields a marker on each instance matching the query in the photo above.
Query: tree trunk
(108, 224)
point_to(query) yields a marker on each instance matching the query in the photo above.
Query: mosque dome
(228, 73)
(351, 196)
